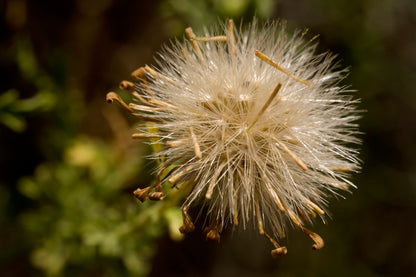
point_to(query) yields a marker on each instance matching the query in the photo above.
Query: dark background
(68, 165)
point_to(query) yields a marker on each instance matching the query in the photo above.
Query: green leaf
(14, 122)
(173, 217)
(8, 98)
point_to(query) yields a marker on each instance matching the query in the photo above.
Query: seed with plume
(254, 123)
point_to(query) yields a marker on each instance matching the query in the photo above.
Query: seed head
(255, 125)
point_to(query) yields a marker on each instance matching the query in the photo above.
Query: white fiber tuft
(253, 151)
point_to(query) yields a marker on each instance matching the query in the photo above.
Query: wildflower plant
(252, 124)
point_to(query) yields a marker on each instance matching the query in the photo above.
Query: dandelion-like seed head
(254, 124)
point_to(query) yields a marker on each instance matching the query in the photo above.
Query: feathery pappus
(253, 123)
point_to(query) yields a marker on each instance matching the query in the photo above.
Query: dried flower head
(253, 123)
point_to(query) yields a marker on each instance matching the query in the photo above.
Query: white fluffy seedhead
(254, 122)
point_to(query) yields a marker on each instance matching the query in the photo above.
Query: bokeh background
(68, 166)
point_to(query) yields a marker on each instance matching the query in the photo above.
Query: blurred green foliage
(198, 13)
(86, 218)
(81, 221)
(12, 109)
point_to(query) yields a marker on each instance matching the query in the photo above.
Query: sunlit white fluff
(270, 169)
